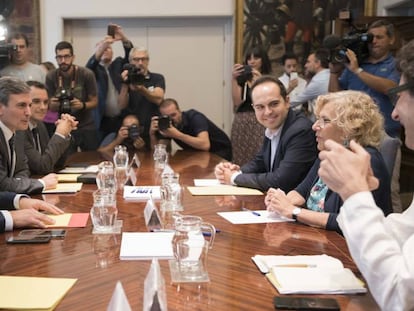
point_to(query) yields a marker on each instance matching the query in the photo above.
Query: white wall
(53, 12)
(382, 4)
(58, 22)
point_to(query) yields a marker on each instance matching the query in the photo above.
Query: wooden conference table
(235, 282)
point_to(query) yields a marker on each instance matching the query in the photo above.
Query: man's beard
(65, 67)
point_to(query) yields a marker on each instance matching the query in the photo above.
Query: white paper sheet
(79, 170)
(206, 182)
(252, 217)
(146, 245)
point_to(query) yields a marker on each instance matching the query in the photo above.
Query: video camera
(64, 96)
(135, 75)
(356, 41)
(6, 49)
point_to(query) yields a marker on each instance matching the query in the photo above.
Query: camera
(133, 132)
(135, 75)
(163, 123)
(64, 97)
(246, 75)
(6, 49)
(356, 41)
(111, 31)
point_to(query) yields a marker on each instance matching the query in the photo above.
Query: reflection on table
(235, 282)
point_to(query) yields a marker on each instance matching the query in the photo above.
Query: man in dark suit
(19, 211)
(289, 147)
(43, 153)
(14, 115)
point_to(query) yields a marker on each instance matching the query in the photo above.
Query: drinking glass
(105, 178)
(160, 156)
(104, 210)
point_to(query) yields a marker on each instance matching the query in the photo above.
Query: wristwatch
(296, 211)
(359, 70)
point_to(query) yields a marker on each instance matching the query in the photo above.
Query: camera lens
(163, 122)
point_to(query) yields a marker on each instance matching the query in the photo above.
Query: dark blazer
(295, 155)
(20, 182)
(52, 149)
(333, 201)
(6, 203)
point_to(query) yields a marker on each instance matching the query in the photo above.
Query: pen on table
(162, 230)
(253, 212)
(209, 234)
(296, 265)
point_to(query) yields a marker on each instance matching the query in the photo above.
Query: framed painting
(25, 19)
(295, 25)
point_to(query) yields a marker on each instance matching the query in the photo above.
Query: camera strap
(72, 82)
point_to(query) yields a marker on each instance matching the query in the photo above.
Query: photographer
(316, 65)
(72, 89)
(142, 91)
(190, 130)
(246, 132)
(107, 71)
(20, 66)
(128, 135)
(375, 75)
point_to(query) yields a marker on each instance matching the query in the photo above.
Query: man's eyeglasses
(140, 59)
(63, 57)
(394, 93)
(271, 105)
(322, 122)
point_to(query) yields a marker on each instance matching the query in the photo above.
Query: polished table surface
(235, 282)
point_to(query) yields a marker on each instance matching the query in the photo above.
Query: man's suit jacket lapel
(266, 154)
(43, 136)
(280, 146)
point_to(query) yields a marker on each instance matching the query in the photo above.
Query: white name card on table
(252, 217)
(146, 245)
(142, 193)
(151, 216)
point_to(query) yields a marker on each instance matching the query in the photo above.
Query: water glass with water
(105, 178)
(160, 156)
(104, 210)
(171, 192)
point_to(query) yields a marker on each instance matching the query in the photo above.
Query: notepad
(65, 188)
(80, 169)
(266, 262)
(71, 220)
(32, 293)
(68, 177)
(319, 274)
(142, 193)
(146, 245)
(252, 217)
(223, 190)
